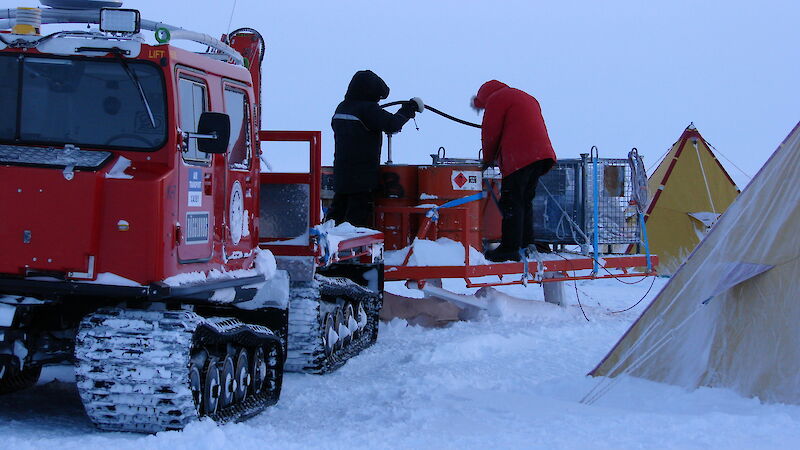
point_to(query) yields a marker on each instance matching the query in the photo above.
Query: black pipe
(436, 111)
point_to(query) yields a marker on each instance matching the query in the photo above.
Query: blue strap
(646, 243)
(323, 241)
(433, 214)
(463, 200)
(524, 255)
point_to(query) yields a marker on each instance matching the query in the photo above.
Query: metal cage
(564, 203)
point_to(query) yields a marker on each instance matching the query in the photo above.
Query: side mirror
(213, 132)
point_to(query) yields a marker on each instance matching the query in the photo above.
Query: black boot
(502, 254)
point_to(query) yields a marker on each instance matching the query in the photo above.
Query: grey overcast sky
(616, 74)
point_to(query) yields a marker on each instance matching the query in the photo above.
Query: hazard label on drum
(466, 180)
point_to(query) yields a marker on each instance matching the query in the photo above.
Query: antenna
(230, 21)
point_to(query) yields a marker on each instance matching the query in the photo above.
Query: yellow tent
(689, 191)
(728, 317)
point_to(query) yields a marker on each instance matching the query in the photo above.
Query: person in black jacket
(358, 124)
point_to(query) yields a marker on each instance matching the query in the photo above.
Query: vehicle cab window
(192, 97)
(9, 68)
(240, 147)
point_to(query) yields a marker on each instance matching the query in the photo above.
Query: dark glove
(419, 105)
(408, 109)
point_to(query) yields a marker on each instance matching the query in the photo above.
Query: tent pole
(705, 179)
(595, 195)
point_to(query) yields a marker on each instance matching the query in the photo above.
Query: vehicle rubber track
(309, 303)
(133, 367)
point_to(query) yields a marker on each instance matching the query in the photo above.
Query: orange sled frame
(530, 271)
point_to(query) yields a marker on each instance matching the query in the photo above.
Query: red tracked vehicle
(136, 227)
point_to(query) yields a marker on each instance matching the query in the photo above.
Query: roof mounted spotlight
(114, 20)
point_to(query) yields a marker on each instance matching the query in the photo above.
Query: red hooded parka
(513, 132)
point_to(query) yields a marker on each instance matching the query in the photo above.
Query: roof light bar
(54, 16)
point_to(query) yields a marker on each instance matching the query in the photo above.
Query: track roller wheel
(274, 363)
(338, 326)
(211, 387)
(196, 385)
(259, 371)
(227, 375)
(349, 324)
(329, 336)
(361, 317)
(243, 377)
(196, 365)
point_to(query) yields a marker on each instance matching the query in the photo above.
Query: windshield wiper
(132, 75)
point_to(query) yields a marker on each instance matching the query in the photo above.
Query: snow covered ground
(495, 383)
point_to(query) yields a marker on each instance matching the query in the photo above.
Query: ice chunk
(265, 263)
(118, 169)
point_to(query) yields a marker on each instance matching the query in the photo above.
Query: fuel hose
(436, 111)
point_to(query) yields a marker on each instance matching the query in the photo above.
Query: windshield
(87, 103)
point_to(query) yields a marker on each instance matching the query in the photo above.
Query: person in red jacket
(514, 137)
